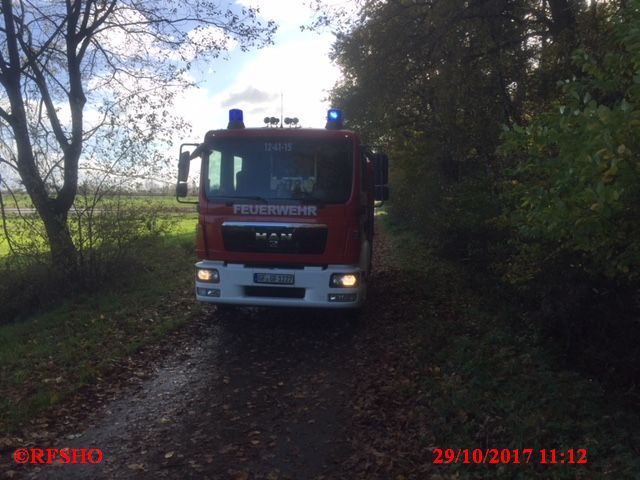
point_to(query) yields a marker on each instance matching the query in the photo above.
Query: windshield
(271, 169)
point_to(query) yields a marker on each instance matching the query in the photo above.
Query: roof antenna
(281, 108)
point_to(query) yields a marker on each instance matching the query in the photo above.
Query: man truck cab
(285, 214)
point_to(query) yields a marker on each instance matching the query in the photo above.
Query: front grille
(274, 238)
(274, 292)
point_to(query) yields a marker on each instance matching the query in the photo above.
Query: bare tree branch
(125, 59)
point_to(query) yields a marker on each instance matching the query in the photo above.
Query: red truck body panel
(342, 220)
(295, 250)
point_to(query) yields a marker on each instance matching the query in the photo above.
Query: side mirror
(182, 189)
(183, 174)
(381, 176)
(183, 166)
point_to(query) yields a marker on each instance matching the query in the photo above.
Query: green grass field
(19, 200)
(182, 214)
(22, 200)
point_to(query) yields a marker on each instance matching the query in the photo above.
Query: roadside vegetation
(515, 154)
(469, 372)
(110, 234)
(85, 116)
(515, 169)
(55, 340)
(166, 200)
(81, 107)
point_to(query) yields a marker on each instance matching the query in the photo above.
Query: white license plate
(274, 278)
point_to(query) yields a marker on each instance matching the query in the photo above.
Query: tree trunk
(54, 215)
(563, 18)
(53, 212)
(63, 251)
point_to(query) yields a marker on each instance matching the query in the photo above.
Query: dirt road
(259, 392)
(265, 394)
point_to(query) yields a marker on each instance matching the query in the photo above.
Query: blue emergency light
(334, 119)
(235, 119)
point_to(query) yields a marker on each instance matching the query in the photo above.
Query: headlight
(344, 280)
(210, 275)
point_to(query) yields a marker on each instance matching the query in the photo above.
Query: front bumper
(310, 288)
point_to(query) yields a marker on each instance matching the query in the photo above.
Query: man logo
(274, 239)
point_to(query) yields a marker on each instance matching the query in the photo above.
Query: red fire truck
(285, 214)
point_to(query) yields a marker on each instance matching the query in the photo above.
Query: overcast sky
(296, 65)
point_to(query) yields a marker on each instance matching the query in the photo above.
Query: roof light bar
(334, 119)
(235, 119)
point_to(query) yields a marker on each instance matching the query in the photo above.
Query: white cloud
(297, 66)
(301, 71)
(249, 95)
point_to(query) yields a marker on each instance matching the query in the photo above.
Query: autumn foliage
(512, 128)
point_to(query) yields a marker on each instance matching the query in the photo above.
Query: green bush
(112, 236)
(112, 232)
(575, 190)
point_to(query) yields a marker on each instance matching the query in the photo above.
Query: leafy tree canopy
(98, 77)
